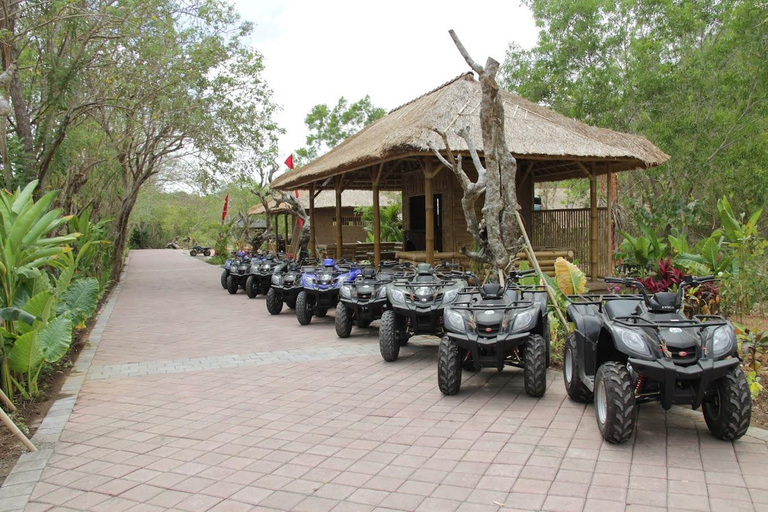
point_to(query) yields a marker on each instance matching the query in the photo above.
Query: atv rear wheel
(232, 285)
(193, 252)
(320, 312)
(274, 303)
(575, 387)
(206, 253)
(304, 308)
(388, 342)
(730, 411)
(535, 365)
(224, 276)
(343, 321)
(448, 367)
(615, 407)
(251, 288)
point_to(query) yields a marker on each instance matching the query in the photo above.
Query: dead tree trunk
(497, 235)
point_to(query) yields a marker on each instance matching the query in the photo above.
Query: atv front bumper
(424, 320)
(699, 375)
(323, 298)
(497, 347)
(362, 307)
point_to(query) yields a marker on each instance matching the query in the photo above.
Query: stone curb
(17, 488)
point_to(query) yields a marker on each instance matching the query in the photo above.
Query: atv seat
(621, 307)
(663, 301)
(491, 291)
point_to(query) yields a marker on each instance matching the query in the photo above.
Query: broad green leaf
(25, 355)
(570, 279)
(55, 339)
(80, 299)
(21, 200)
(14, 314)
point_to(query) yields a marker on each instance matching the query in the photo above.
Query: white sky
(317, 51)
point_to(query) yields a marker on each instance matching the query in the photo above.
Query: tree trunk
(121, 233)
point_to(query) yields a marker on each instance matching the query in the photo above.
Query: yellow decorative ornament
(570, 279)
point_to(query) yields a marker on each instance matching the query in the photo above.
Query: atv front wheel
(224, 276)
(730, 410)
(343, 321)
(388, 342)
(304, 309)
(448, 367)
(615, 406)
(251, 288)
(193, 252)
(535, 365)
(574, 386)
(206, 253)
(232, 285)
(274, 303)
(320, 312)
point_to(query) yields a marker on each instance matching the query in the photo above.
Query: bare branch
(477, 68)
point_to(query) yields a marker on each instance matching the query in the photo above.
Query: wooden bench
(358, 251)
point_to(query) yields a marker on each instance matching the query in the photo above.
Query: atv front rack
(518, 304)
(697, 322)
(599, 299)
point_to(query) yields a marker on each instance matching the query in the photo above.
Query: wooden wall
(325, 229)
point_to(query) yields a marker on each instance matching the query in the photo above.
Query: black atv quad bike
(198, 249)
(286, 285)
(260, 279)
(238, 273)
(493, 326)
(363, 300)
(632, 349)
(416, 305)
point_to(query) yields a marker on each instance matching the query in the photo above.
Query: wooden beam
(376, 217)
(609, 180)
(312, 246)
(339, 238)
(429, 207)
(593, 223)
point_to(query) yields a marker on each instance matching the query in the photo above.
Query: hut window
(349, 220)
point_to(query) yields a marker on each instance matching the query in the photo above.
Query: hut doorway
(416, 236)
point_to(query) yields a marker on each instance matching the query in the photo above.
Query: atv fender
(588, 327)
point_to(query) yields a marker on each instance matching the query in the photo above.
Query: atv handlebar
(687, 282)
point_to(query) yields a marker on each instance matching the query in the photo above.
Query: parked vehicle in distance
(199, 249)
(416, 305)
(631, 349)
(321, 289)
(493, 326)
(363, 300)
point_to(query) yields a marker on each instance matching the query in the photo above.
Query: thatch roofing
(558, 146)
(327, 199)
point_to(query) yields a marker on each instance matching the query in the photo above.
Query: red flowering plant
(703, 299)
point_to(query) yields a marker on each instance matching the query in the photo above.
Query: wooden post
(286, 231)
(339, 238)
(429, 207)
(7, 401)
(593, 223)
(277, 230)
(609, 179)
(376, 218)
(312, 248)
(16, 432)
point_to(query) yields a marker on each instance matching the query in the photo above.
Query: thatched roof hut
(557, 144)
(325, 199)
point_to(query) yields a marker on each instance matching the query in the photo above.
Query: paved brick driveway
(197, 400)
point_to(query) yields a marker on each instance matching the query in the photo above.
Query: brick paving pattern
(197, 400)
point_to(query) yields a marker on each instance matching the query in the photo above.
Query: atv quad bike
(321, 289)
(363, 300)
(228, 265)
(286, 285)
(198, 249)
(260, 279)
(493, 326)
(416, 305)
(238, 273)
(631, 349)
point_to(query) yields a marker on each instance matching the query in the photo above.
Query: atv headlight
(525, 320)
(633, 341)
(398, 296)
(276, 279)
(381, 293)
(723, 341)
(450, 295)
(454, 321)
(309, 281)
(346, 292)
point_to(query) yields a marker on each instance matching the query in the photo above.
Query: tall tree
(688, 75)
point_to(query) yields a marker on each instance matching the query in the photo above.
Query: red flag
(226, 207)
(301, 223)
(289, 161)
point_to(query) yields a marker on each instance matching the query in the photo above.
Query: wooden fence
(569, 229)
